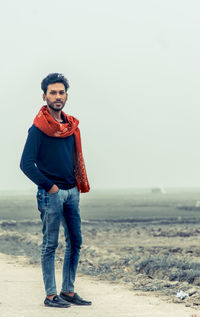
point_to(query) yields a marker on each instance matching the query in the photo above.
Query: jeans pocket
(53, 193)
(74, 195)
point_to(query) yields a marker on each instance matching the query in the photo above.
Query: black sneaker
(57, 301)
(76, 299)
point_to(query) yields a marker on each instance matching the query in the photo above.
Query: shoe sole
(53, 306)
(80, 304)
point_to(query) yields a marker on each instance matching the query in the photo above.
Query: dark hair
(52, 79)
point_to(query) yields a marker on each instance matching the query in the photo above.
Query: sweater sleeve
(28, 163)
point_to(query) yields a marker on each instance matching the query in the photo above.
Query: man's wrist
(53, 189)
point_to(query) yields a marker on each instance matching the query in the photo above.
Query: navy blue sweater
(48, 160)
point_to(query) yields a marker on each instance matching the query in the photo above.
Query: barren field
(147, 242)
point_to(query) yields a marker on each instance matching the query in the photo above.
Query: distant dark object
(158, 190)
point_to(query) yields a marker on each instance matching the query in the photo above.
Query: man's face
(56, 96)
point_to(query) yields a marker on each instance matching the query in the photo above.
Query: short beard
(50, 105)
(55, 109)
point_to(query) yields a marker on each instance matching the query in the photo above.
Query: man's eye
(52, 92)
(62, 92)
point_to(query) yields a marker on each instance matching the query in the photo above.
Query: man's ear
(44, 97)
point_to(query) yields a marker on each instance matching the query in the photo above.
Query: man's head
(55, 88)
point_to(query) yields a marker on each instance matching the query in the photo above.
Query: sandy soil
(137, 253)
(22, 294)
(159, 259)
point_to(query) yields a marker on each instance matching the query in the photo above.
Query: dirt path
(22, 294)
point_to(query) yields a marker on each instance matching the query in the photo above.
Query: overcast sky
(133, 68)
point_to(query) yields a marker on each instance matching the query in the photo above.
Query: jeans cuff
(67, 291)
(51, 292)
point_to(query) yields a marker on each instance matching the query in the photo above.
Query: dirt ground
(145, 245)
(22, 294)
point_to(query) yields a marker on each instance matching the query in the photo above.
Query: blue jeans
(61, 207)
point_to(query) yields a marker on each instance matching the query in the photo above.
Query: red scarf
(45, 122)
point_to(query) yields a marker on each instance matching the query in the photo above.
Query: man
(52, 159)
